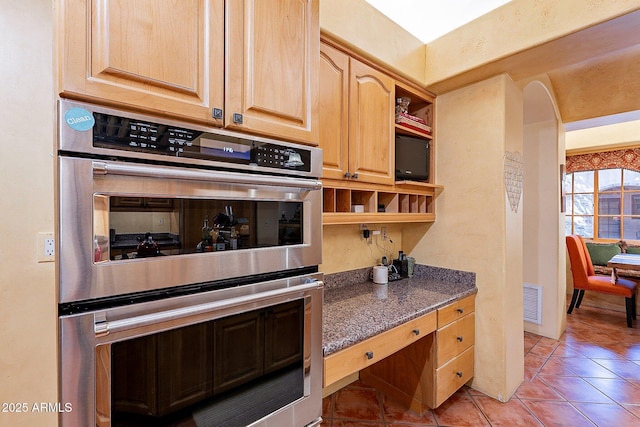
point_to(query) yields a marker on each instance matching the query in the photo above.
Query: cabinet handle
(355, 176)
(460, 311)
(347, 175)
(459, 374)
(217, 113)
(237, 118)
(369, 355)
(459, 339)
(416, 331)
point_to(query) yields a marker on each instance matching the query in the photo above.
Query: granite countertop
(356, 309)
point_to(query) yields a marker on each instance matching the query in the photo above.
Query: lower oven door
(235, 357)
(169, 226)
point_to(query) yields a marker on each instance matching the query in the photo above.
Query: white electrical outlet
(49, 249)
(46, 247)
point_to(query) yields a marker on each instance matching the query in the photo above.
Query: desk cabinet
(426, 373)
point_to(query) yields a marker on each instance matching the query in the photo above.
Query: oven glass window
(151, 226)
(230, 371)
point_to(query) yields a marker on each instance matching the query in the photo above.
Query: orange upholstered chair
(585, 279)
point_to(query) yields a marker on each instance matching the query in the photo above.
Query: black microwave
(412, 158)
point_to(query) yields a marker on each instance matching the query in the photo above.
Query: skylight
(429, 19)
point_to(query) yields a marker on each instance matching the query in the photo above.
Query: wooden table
(625, 261)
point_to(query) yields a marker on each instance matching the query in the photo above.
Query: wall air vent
(532, 298)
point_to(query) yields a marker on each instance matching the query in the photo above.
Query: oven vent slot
(532, 299)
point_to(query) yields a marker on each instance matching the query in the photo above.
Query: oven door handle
(108, 168)
(103, 327)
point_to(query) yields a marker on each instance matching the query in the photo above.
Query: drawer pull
(459, 374)
(459, 339)
(460, 311)
(416, 331)
(369, 355)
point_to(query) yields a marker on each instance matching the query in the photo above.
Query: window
(603, 204)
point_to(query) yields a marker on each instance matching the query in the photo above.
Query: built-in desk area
(412, 339)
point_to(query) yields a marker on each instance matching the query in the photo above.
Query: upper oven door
(130, 227)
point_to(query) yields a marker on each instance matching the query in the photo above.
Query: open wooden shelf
(405, 202)
(407, 131)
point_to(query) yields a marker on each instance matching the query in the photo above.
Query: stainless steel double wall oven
(189, 291)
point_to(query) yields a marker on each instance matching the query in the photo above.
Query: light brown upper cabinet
(356, 119)
(248, 65)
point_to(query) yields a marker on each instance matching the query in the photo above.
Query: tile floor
(590, 377)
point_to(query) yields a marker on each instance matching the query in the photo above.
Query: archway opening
(544, 271)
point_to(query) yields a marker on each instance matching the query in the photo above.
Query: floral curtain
(628, 158)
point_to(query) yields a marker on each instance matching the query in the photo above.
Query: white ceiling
(429, 19)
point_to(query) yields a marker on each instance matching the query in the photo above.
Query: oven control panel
(127, 134)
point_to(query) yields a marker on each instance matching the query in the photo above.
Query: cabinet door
(238, 350)
(371, 124)
(284, 335)
(334, 112)
(133, 368)
(452, 376)
(157, 55)
(273, 53)
(184, 367)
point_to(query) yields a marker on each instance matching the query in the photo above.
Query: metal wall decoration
(513, 177)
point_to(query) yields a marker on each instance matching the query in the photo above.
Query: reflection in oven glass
(227, 372)
(151, 226)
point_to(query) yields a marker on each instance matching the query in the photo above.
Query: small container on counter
(380, 274)
(402, 264)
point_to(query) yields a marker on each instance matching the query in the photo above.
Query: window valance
(628, 158)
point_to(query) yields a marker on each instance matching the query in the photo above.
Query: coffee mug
(381, 274)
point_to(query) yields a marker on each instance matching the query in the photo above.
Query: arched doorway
(544, 261)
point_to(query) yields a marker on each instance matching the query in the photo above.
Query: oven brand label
(79, 119)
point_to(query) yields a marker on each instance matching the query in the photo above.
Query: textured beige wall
(359, 25)
(475, 228)
(345, 249)
(28, 317)
(600, 138)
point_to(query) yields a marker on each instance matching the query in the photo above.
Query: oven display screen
(225, 149)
